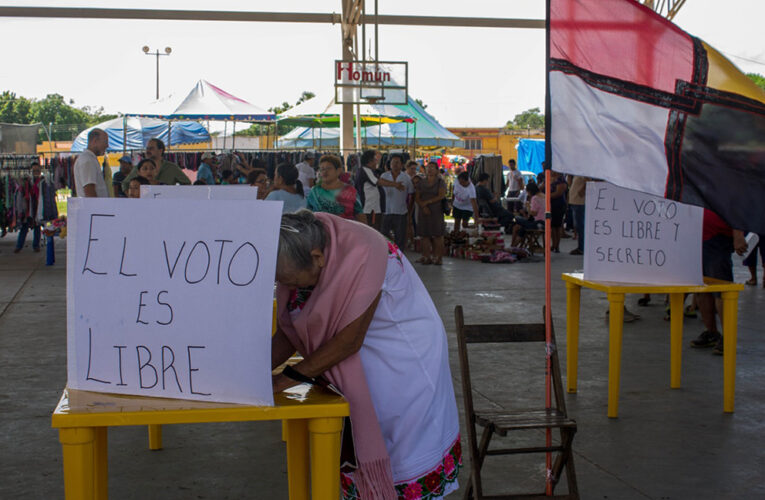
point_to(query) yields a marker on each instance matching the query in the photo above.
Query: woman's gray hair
(300, 233)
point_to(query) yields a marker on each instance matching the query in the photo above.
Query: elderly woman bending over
(353, 306)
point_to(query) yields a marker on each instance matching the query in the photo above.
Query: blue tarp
(140, 130)
(531, 154)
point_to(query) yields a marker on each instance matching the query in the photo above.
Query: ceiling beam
(277, 17)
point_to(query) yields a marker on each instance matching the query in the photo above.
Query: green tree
(54, 109)
(14, 109)
(758, 79)
(305, 96)
(531, 118)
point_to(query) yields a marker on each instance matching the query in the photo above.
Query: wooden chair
(502, 421)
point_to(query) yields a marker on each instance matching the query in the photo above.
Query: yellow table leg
(730, 334)
(573, 294)
(101, 463)
(295, 433)
(325, 456)
(155, 437)
(676, 338)
(615, 328)
(77, 445)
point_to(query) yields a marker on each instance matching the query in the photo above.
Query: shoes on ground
(718, 347)
(16, 250)
(629, 316)
(576, 251)
(707, 339)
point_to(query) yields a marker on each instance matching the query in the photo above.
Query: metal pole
(276, 17)
(158, 74)
(548, 229)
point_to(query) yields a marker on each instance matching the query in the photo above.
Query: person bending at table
(351, 303)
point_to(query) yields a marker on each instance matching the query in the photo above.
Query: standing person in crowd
(27, 211)
(488, 203)
(411, 172)
(288, 188)
(718, 242)
(126, 165)
(306, 173)
(134, 189)
(333, 195)
(430, 225)
(411, 168)
(88, 175)
(369, 186)
(206, 170)
(576, 201)
(353, 306)
(397, 202)
(464, 202)
(751, 262)
(259, 179)
(515, 185)
(557, 195)
(168, 173)
(147, 169)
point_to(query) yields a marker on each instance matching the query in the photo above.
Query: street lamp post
(157, 53)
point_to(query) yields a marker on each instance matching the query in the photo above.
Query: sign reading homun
(371, 82)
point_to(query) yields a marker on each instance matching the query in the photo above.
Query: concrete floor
(666, 444)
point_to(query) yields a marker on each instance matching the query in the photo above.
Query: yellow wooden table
(312, 418)
(615, 293)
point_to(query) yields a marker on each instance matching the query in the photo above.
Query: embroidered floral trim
(394, 252)
(431, 485)
(298, 298)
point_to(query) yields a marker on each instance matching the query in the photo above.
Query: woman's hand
(425, 210)
(281, 382)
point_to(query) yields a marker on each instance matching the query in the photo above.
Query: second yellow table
(616, 293)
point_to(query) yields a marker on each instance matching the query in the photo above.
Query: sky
(479, 77)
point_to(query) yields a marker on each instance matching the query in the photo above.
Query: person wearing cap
(206, 169)
(126, 165)
(168, 173)
(306, 172)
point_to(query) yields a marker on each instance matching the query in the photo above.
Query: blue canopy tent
(138, 131)
(531, 154)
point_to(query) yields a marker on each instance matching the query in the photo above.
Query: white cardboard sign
(632, 237)
(170, 298)
(233, 192)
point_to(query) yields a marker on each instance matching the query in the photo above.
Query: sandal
(437, 262)
(425, 262)
(752, 282)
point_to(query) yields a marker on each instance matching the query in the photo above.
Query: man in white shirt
(306, 173)
(515, 185)
(88, 175)
(396, 202)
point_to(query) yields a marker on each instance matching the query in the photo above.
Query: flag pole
(548, 234)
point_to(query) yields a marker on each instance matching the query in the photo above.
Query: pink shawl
(355, 264)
